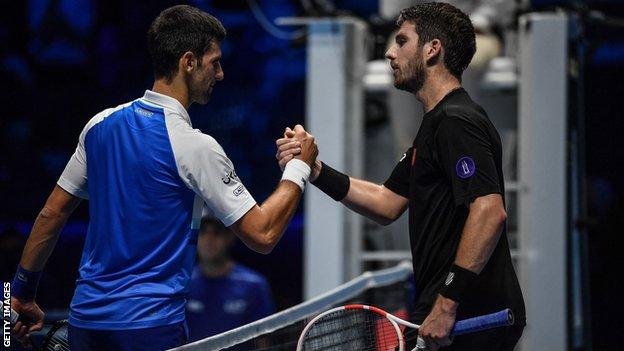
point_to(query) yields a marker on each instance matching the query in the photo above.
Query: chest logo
(465, 167)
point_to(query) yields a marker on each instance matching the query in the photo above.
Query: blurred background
(62, 61)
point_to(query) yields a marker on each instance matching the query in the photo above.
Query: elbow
(264, 249)
(385, 220)
(502, 217)
(389, 217)
(266, 244)
(497, 216)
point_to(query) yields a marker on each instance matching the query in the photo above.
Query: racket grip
(488, 321)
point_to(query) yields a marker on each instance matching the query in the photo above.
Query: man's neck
(175, 89)
(217, 269)
(435, 88)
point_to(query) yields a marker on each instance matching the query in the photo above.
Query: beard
(412, 78)
(200, 95)
(199, 89)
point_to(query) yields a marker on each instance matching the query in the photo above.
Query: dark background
(64, 61)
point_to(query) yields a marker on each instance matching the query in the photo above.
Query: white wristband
(297, 172)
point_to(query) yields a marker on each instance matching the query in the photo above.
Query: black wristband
(458, 281)
(332, 182)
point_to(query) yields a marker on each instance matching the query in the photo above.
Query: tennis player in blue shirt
(147, 174)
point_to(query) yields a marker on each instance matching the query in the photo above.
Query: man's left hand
(436, 328)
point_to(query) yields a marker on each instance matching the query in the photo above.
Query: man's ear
(433, 51)
(188, 62)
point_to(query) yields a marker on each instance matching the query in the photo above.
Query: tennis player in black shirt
(452, 181)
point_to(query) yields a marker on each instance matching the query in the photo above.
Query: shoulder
(191, 141)
(463, 113)
(102, 115)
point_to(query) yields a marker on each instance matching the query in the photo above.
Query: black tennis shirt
(455, 158)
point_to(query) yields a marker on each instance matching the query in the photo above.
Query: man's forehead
(407, 29)
(214, 49)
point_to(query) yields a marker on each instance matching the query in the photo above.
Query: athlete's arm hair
(263, 226)
(481, 232)
(374, 201)
(46, 229)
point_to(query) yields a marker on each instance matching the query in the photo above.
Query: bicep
(61, 201)
(396, 203)
(249, 226)
(250, 222)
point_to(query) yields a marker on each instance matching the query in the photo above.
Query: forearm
(278, 210)
(42, 239)
(46, 229)
(479, 238)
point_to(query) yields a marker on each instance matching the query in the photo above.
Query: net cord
(351, 289)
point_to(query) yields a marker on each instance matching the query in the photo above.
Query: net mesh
(387, 289)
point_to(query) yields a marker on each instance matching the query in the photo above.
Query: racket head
(351, 327)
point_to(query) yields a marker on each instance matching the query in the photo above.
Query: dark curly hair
(439, 20)
(177, 30)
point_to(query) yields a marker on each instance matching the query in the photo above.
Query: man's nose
(390, 54)
(219, 75)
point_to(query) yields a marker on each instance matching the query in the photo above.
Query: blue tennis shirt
(147, 174)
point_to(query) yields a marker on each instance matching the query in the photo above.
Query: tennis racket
(55, 339)
(362, 327)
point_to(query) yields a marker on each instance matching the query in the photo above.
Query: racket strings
(347, 330)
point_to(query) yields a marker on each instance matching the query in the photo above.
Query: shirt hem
(240, 212)
(76, 322)
(72, 189)
(469, 198)
(397, 189)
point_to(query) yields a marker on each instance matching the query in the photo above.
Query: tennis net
(388, 289)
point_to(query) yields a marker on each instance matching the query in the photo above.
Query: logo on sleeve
(465, 167)
(239, 190)
(229, 177)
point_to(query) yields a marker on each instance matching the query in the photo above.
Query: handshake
(299, 144)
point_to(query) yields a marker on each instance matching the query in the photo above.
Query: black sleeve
(398, 181)
(466, 154)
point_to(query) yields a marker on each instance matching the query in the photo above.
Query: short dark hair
(215, 224)
(177, 30)
(439, 20)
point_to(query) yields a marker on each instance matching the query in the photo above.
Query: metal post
(334, 114)
(542, 175)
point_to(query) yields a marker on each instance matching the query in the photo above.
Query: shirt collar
(166, 102)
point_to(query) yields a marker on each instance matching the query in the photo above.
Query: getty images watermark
(6, 315)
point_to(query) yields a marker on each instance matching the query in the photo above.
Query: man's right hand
(309, 150)
(27, 311)
(291, 146)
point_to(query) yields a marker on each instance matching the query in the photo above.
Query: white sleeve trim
(72, 189)
(238, 214)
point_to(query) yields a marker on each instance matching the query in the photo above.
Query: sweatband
(25, 283)
(332, 182)
(458, 282)
(297, 172)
